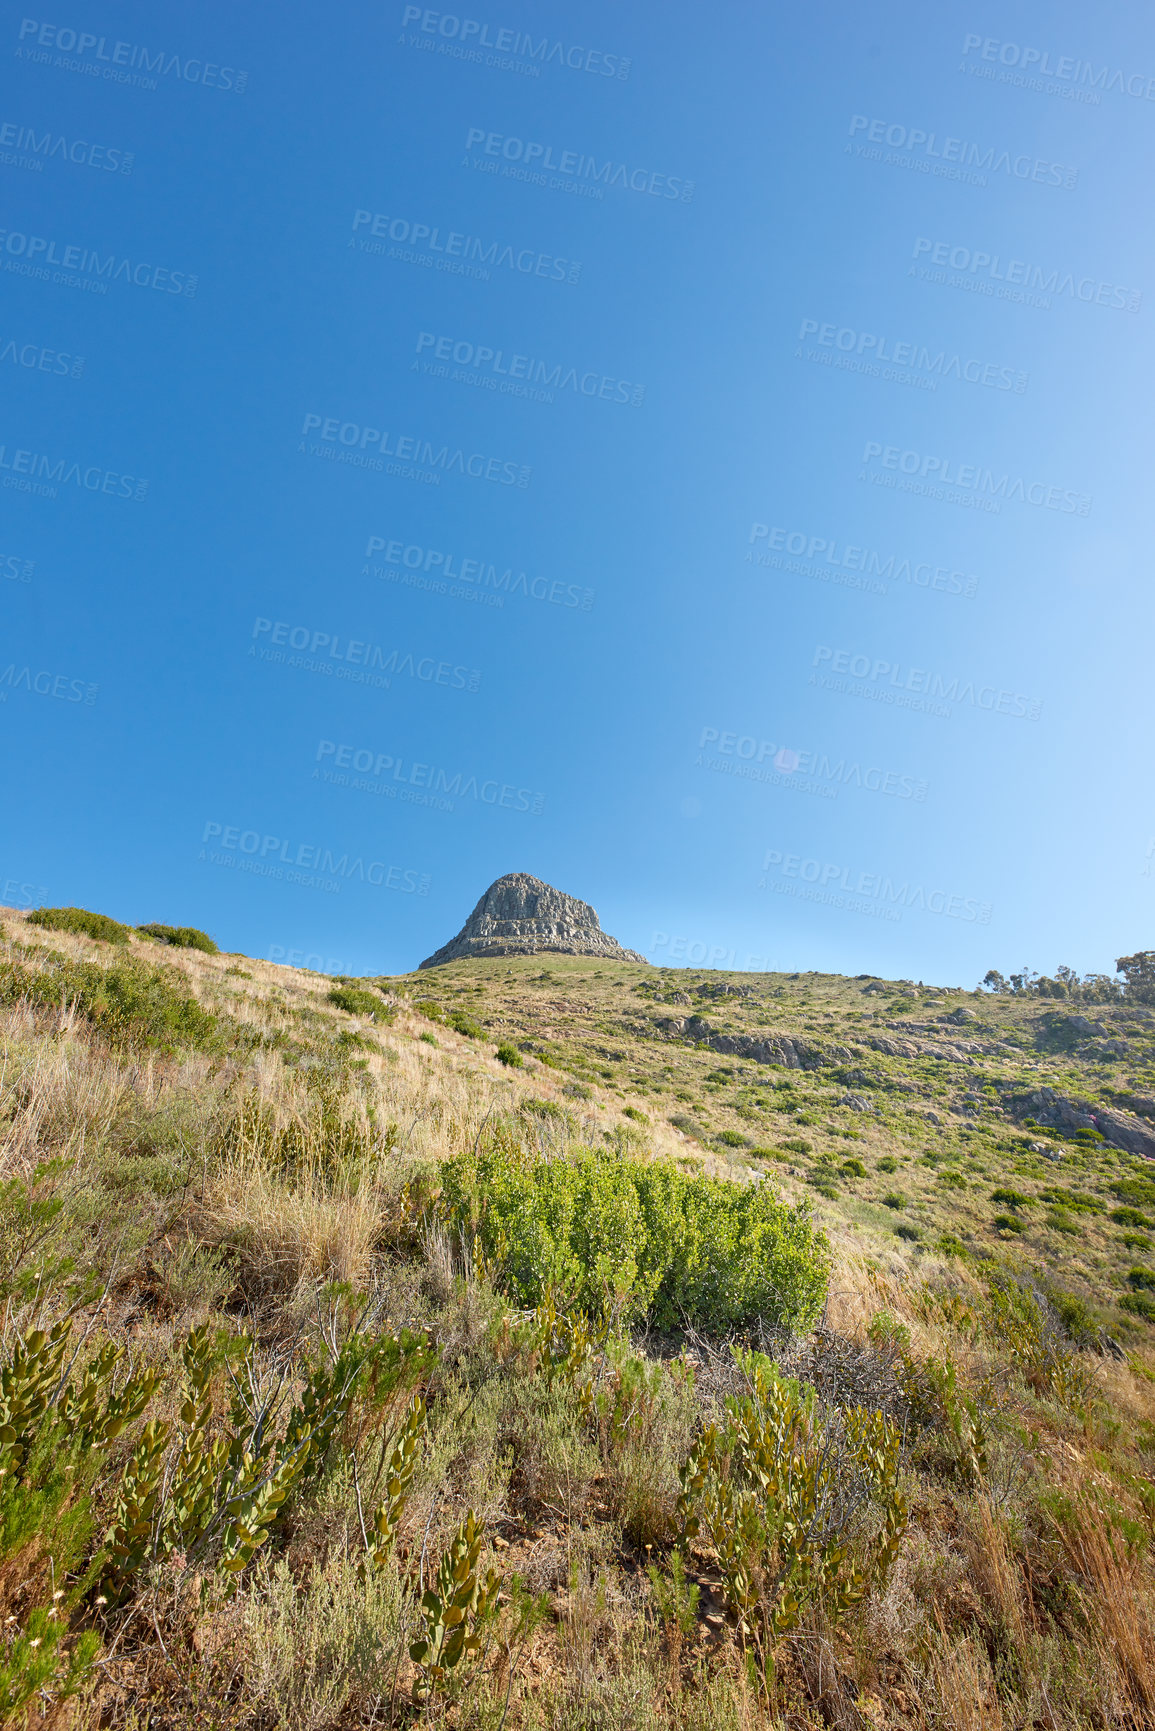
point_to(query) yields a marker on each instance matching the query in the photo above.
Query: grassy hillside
(563, 1343)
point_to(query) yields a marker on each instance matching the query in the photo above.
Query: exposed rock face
(1120, 1129)
(791, 1052)
(521, 916)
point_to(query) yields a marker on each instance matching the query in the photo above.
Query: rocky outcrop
(520, 915)
(1120, 1129)
(789, 1051)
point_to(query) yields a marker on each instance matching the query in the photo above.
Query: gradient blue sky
(1036, 836)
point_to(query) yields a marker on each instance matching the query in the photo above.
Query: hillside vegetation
(567, 1343)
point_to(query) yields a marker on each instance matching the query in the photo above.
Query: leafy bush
(1011, 1198)
(633, 1112)
(601, 1231)
(765, 1487)
(1130, 1217)
(1059, 1220)
(131, 1003)
(1009, 1223)
(853, 1168)
(463, 1023)
(1141, 1278)
(357, 1002)
(509, 1054)
(797, 1145)
(905, 1230)
(181, 938)
(732, 1138)
(894, 1199)
(1138, 1305)
(79, 920)
(888, 1163)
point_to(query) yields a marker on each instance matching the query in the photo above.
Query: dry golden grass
(217, 1189)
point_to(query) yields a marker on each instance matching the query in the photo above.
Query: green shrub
(357, 1002)
(797, 1145)
(888, 1163)
(429, 1039)
(905, 1230)
(1009, 1223)
(181, 938)
(131, 1002)
(633, 1112)
(1136, 1241)
(852, 1168)
(1059, 1220)
(1130, 1217)
(1135, 1190)
(1011, 1198)
(79, 920)
(463, 1023)
(508, 1054)
(1143, 1279)
(1138, 1305)
(732, 1138)
(601, 1230)
(894, 1199)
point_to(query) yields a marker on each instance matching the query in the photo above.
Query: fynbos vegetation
(492, 1351)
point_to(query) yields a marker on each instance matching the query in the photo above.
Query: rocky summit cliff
(521, 916)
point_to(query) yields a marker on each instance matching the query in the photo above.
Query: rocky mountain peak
(519, 915)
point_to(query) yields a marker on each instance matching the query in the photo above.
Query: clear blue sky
(826, 635)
